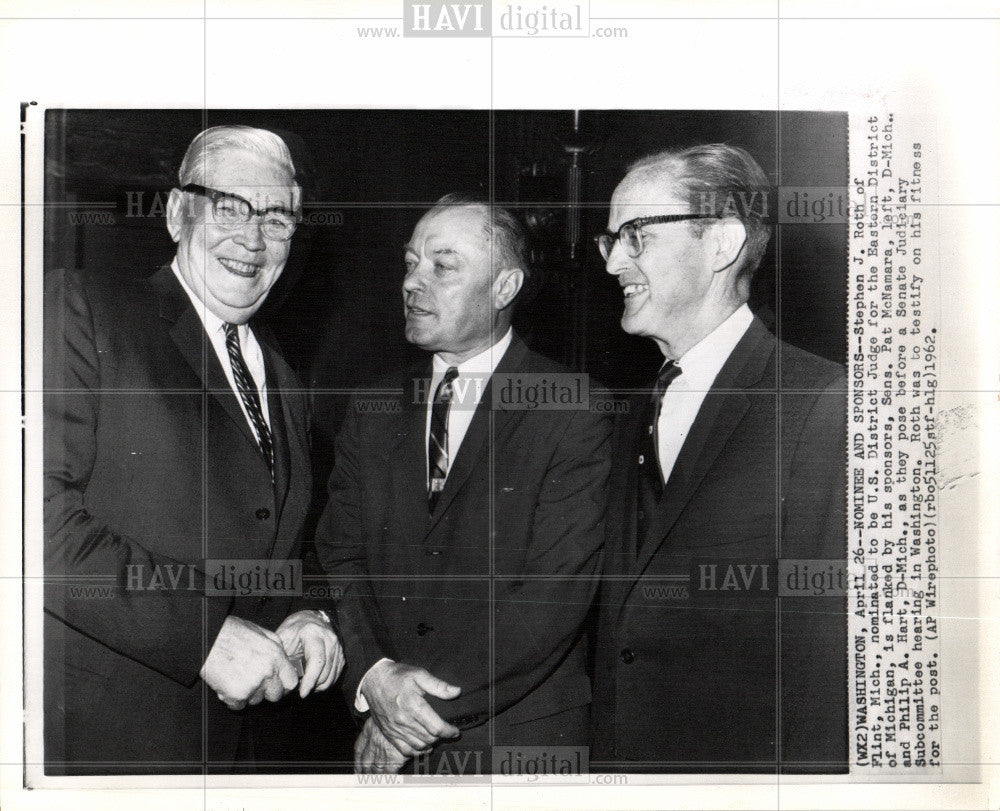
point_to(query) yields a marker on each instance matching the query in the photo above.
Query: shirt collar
(702, 362)
(485, 363)
(209, 320)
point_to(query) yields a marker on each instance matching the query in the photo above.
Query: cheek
(212, 236)
(278, 256)
(477, 307)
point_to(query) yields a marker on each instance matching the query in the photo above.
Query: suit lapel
(622, 504)
(407, 461)
(188, 334)
(291, 453)
(633, 442)
(278, 419)
(725, 405)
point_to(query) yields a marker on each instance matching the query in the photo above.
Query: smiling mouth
(244, 269)
(630, 290)
(416, 311)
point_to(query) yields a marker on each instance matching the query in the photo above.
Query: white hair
(214, 139)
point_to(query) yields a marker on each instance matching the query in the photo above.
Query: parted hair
(237, 136)
(722, 180)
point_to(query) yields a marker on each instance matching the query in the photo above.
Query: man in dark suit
(465, 525)
(729, 472)
(177, 473)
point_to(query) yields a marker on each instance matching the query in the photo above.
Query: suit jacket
(150, 470)
(489, 592)
(697, 672)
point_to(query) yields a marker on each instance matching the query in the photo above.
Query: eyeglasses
(232, 211)
(630, 233)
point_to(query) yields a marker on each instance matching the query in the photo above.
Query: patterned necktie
(669, 372)
(249, 395)
(437, 442)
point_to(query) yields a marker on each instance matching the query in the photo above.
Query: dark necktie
(437, 442)
(669, 372)
(249, 395)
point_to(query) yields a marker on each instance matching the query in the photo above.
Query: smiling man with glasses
(176, 435)
(733, 460)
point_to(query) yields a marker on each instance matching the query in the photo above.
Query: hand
(374, 753)
(395, 693)
(309, 635)
(247, 664)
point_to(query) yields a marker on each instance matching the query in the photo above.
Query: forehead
(645, 193)
(256, 177)
(459, 228)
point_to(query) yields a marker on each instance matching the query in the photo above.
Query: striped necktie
(437, 442)
(249, 395)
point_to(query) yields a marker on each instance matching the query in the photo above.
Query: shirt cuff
(360, 703)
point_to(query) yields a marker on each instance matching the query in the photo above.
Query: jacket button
(432, 552)
(627, 656)
(263, 514)
(423, 629)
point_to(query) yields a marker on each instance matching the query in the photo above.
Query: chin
(415, 337)
(628, 325)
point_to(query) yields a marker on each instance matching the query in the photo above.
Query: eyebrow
(408, 248)
(267, 210)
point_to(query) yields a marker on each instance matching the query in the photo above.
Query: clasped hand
(395, 694)
(248, 663)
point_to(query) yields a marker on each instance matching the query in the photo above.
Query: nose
(249, 235)
(413, 280)
(618, 260)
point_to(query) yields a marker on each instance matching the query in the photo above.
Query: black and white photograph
(547, 558)
(520, 427)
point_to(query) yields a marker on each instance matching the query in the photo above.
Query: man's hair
(215, 139)
(722, 180)
(505, 233)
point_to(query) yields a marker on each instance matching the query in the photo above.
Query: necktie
(437, 442)
(669, 372)
(249, 395)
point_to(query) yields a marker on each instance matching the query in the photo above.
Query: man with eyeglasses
(177, 474)
(733, 460)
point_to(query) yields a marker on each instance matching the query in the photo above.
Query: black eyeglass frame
(215, 195)
(606, 241)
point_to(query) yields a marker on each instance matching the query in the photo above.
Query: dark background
(368, 175)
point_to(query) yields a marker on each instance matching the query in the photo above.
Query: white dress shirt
(467, 391)
(700, 365)
(215, 328)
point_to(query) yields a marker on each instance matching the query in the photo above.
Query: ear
(507, 285)
(730, 236)
(175, 214)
